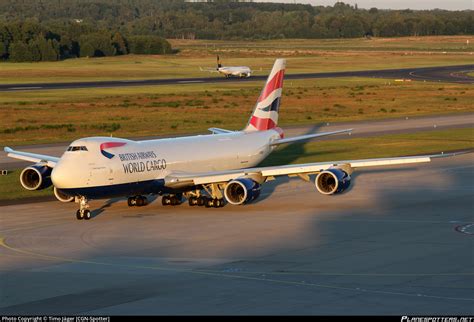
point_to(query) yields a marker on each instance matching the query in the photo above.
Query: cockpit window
(77, 148)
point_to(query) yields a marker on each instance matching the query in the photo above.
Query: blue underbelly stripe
(119, 190)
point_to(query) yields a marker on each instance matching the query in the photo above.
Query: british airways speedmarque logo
(108, 145)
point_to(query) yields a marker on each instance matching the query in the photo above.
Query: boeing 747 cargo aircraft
(208, 170)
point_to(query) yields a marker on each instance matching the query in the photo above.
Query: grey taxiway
(399, 242)
(453, 74)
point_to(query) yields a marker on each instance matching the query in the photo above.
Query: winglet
(216, 130)
(450, 154)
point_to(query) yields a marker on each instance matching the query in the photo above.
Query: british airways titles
(141, 162)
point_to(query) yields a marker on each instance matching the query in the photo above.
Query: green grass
(10, 188)
(426, 43)
(315, 151)
(61, 116)
(373, 147)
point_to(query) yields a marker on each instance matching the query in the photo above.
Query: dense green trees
(148, 45)
(98, 44)
(74, 28)
(31, 40)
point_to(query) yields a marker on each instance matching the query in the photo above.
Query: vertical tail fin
(265, 114)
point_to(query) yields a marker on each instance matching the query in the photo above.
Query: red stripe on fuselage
(275, 83)
(108, 145)
(262, 124)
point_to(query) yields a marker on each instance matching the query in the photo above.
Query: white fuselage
(239, 71)
(139, 161)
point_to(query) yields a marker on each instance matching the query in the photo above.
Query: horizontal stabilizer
(307, 137)
(216, 130)
(208, 69)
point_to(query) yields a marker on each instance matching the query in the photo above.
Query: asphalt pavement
(453, 74)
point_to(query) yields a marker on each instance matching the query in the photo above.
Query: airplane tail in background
(265, 114)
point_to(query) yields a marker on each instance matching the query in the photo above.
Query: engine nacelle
(332, 181)
(62, 196)
(241, 191)
(36, 177)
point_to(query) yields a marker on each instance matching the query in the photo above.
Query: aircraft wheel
(192, 201)
(140, 201)
(210, 203)
(221, 203)
(201, 201)
(131, 201)
(79, 215)
(87, 214)
(174, 201)
(166, 200)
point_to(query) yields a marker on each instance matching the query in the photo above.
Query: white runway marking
(25, 87)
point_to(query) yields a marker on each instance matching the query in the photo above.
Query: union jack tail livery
(265, 114)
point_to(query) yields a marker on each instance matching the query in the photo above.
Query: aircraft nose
(59, 176)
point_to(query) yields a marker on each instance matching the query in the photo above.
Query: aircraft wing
(307, 137)
(32, 157)
(301, 170)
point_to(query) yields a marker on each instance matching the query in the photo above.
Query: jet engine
(36, 177)
(332, 181)
(241, 191)
(62, 196)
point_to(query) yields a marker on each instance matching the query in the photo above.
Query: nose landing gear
(83, 212)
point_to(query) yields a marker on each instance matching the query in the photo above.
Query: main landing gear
(172, 200)
(195, 198)
(138, 201)
(83, 212)
(206, 201)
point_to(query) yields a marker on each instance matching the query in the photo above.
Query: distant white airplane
(229, 71)
(208, 170)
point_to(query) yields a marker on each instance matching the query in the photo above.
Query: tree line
(74, 28)
(30, 41)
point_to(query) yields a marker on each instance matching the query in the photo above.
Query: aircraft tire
(221, 203)
(201, 201)
(209, 203)
(192, 201)
(79, 215)
(140, 201)
(131, 202)
(87, 214)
